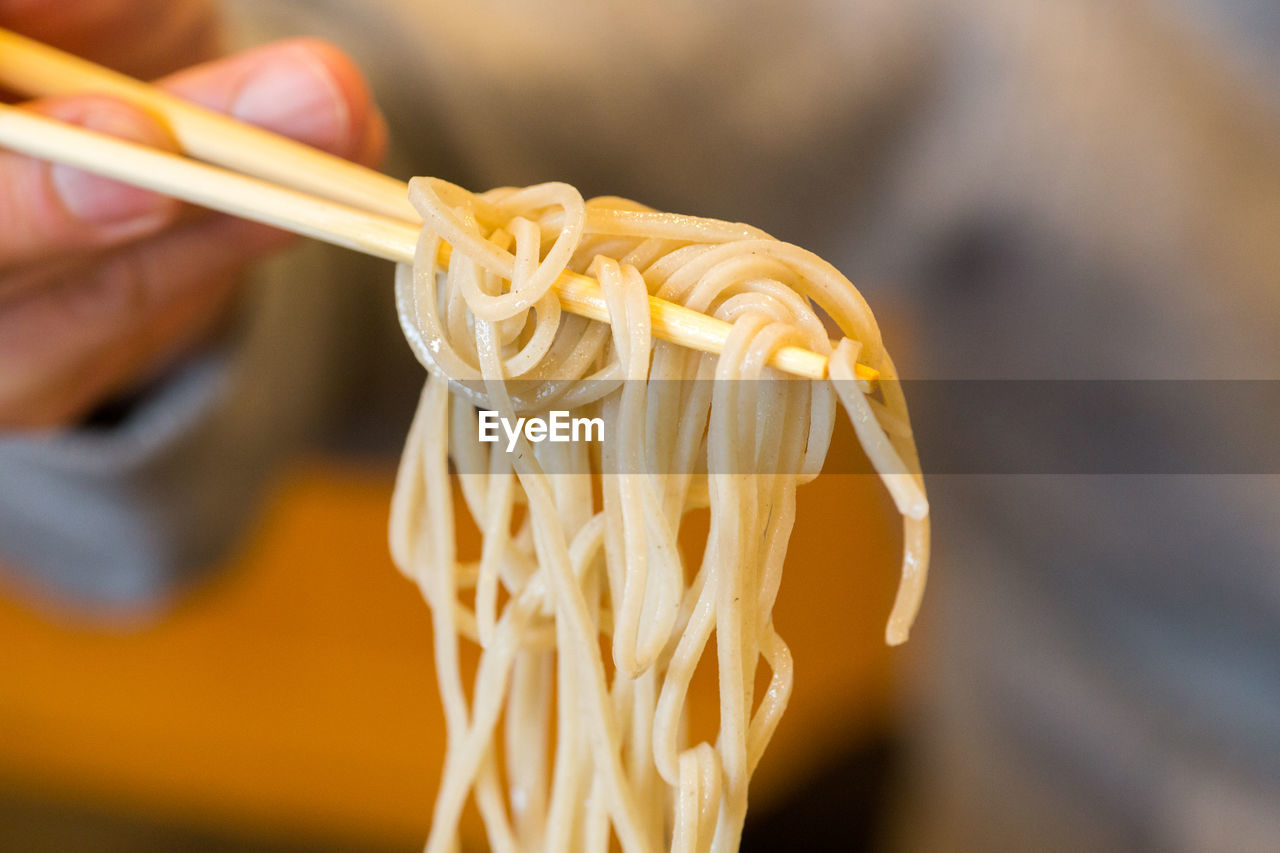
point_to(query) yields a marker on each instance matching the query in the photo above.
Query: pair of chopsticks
(282, 183)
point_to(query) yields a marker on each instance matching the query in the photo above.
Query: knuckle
(29, 207)
(65, 338)
(111, 293)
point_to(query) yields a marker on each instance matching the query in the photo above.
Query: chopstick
(207, 186)
(35, 69)
(357, 208)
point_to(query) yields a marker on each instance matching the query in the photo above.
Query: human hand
(102, 284)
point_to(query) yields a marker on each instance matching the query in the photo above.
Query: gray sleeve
(121, 518)
(107, 518)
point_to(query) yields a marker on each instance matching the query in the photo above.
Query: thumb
(47, 209)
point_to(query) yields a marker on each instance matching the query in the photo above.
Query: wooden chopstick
(357, 208)
(207, 186)
(37, 70)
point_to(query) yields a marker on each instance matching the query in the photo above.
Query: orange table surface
(293, 692)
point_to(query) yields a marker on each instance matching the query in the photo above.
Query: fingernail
(92, 198)
(295, 96)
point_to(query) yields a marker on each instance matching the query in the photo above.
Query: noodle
(579, 538)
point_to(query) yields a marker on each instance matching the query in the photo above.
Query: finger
(302, 88)
(49, 209)
(305, 89)
(70, 343)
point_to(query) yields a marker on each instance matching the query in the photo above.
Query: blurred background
(1023, 190)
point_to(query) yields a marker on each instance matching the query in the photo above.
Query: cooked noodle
(579, 539)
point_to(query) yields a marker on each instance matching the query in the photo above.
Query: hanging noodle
(579, 540)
